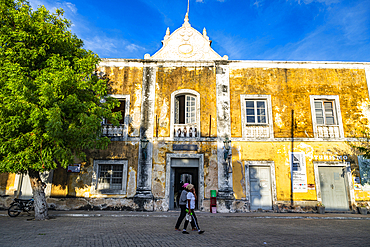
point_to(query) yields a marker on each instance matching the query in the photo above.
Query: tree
(362, 145)
(51, 101)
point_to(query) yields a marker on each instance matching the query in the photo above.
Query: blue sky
(289, 30)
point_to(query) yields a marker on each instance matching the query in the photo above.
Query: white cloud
(327, 2)
(344, 37)
(257, 3)
(70, 9)
(134, 47)
(101, 44)
(71, 6)
(105, 47)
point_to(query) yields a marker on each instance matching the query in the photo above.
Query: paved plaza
(107, 228)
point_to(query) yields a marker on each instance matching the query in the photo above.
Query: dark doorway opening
(185, 175)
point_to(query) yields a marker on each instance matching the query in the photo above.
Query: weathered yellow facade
(182, 106)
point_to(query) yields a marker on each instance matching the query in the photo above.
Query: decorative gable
(186, 43)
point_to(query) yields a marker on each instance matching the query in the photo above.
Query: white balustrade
(111, 130)
(257, 131)
(328, 131)
(185, 130)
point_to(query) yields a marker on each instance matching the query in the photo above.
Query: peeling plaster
(242, 180)
(364, 108)
(278, 120)
(307, 149)
(135, 112)
(131, 184)
(163, 116)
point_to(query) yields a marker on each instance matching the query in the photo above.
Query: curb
(202, 215)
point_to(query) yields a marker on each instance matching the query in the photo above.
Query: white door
(260, 187)
(333, 189)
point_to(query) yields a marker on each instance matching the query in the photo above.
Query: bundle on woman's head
(189, 187)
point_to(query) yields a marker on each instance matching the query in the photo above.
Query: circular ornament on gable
(185, 49)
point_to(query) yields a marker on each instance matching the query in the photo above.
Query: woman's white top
(190, 196)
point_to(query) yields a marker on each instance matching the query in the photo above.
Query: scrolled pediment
(186, 43)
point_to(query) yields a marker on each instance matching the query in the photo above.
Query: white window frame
(126, 117)
(337, 113)
(268, 124)
(95, 179)
(197, 109)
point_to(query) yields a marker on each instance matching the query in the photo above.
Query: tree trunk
(41, 208)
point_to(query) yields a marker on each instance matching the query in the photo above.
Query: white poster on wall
(298, 171)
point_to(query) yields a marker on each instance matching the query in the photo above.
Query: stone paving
(107, 228)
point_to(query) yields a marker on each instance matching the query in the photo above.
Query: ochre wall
(127, 81)
(200, 79)
(79, 184)
(279, 153)
(7, 183)
(290, 90)
(162, 148)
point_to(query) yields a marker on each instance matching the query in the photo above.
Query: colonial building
(254, 131)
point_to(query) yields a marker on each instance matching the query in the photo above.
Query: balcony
(110, 130)
(257, 131)
(328, 131)
(185, 130)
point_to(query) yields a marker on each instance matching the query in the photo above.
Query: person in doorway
(190, 207)
(182, 204)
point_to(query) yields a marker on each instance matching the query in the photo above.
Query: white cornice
(237, 64)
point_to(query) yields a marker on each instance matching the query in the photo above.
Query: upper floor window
(120, 108)
(256, 111)
(256, 114)
(123, 107)
(326, 116)
(185, 111)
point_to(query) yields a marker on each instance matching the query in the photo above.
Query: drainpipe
(291, 162)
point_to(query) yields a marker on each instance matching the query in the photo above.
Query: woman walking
(182, 204)
(190, 206)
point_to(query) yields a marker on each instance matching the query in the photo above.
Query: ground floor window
(111, 176)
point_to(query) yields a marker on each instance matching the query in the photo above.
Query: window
(185, 109)
(256, 111)
(324, 111)
(256, 114)
(326, 116)
(111, 176)
(118, 132)
(185, 114)
(120, 108)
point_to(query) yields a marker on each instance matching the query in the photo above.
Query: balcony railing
(111, 130)
(257, 131)
(328, 131)
(185, 130)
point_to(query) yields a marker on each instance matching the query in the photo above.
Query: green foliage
(50, 100)
(362, 145)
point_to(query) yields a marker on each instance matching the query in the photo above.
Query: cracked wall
(290, 90)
